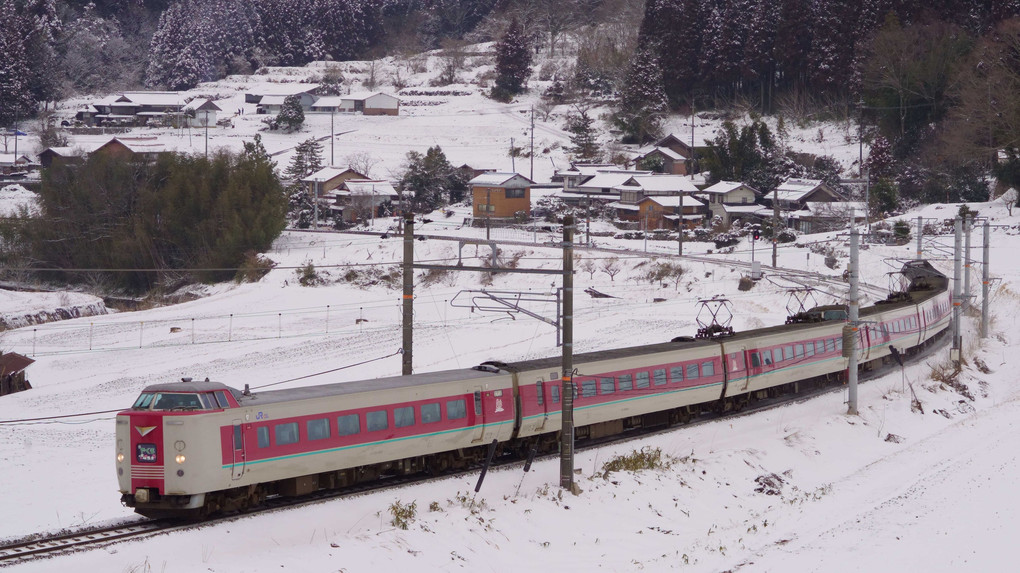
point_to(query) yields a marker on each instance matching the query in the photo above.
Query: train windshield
(175, 401)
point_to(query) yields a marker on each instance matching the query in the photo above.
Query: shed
(12, 373)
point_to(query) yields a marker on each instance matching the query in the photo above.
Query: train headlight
(180, 458)
(120, 457)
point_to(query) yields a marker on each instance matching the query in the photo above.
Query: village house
(363, 199)
(269, 99)
(501, 195)
(666, 160)
(201, 112)
(794, 194)
(731, 201)
(654, 201)
(131, 148)
(325, 181)
(59, 155)
(368, 103)
(11, 163)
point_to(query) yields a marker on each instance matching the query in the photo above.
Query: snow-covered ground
(804, 487)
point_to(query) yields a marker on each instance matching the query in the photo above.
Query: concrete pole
(954, 353)
(775, 226)
(920, 234)
(408, 322)
(853, 317)
(567, 379)
(984, 280)
(968, 224)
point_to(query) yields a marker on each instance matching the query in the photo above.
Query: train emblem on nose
(144, 430)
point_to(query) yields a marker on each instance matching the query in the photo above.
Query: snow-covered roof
(496, 179)
(724, 187)
(375, 187)
(660, 183)
(283, 89)
(202, 104)
(328, 101)
(359, 96)
(273, 100)
(603, 180)
(674, 200)
(623, 206)
(745, 208)
(665, 151)
(795, 189)
(329, 173)
(832, 208)
(154, 98)
(12, 159)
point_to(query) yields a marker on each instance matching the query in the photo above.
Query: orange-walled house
(500, 195)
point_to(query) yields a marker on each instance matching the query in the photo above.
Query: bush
(253, 268)
(403, 514)
(745, 284)
(644, 459)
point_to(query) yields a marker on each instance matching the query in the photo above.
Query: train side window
(540, 389)
(208, 401)
(554, 391)
(755, 360)
(607, 385)
(348, 425)
(708, 369)
(430, 413)
(403, 417)
(766, 356)
(830, 345)
(456, 409)
(819, 347)
(375, 421)
(810, 350)
(676, 374)
(787, 353)
(286, 433)
(798, 351)
(626, 382)
(659, 376)
(478, 403)
(317, 429)
(839, 343)
(262, 432)
(588, 389)
(641, 380)
(692, 371)
(221, 399)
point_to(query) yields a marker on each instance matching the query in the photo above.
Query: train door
(753, 362)
(479, 432)
(238, 448)
(543, 408)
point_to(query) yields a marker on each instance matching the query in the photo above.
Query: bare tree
(611, 267)
(362, 161)
(589, 267)
(1010, 198)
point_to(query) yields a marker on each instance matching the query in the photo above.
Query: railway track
(49, 546)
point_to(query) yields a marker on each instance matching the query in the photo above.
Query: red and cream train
(193, 448)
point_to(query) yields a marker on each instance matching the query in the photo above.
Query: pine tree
(678, 26)
(292, 115)
(430, 181)
(583, 137)
(832, 59)
(513, 62)
(643, 100)
(15, 92)
(178, 56)
(307, 159)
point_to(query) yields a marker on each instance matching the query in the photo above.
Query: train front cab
(157, 467)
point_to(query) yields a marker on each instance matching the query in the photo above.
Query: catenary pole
(985, 241)
(954, 353)
(968, 225)
(853, 318)
(408, 300)
(567, 378)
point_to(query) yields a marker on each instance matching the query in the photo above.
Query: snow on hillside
(804, 487)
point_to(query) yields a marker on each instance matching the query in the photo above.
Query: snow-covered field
(804, 487)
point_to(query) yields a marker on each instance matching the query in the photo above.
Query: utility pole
(567, 378)
(954, 352)
(513, 156)
(532, 176)
(205, 120)
(968, 224)
(332, 137)
(775, 226)
(488, 213)
(408, 322)
(920, 233)
(315, 205)
(984, 280)
(853, 324)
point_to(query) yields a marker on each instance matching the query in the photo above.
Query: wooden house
(500, 195)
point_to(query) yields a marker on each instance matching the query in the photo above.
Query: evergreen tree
(430, 181)
(513, 62)
(583, 137)
(643, 99)
(678, 26)
(833, 56)
(178, 56)
(292, 115)
(793, 43)
(15, 92)
(307, 159)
